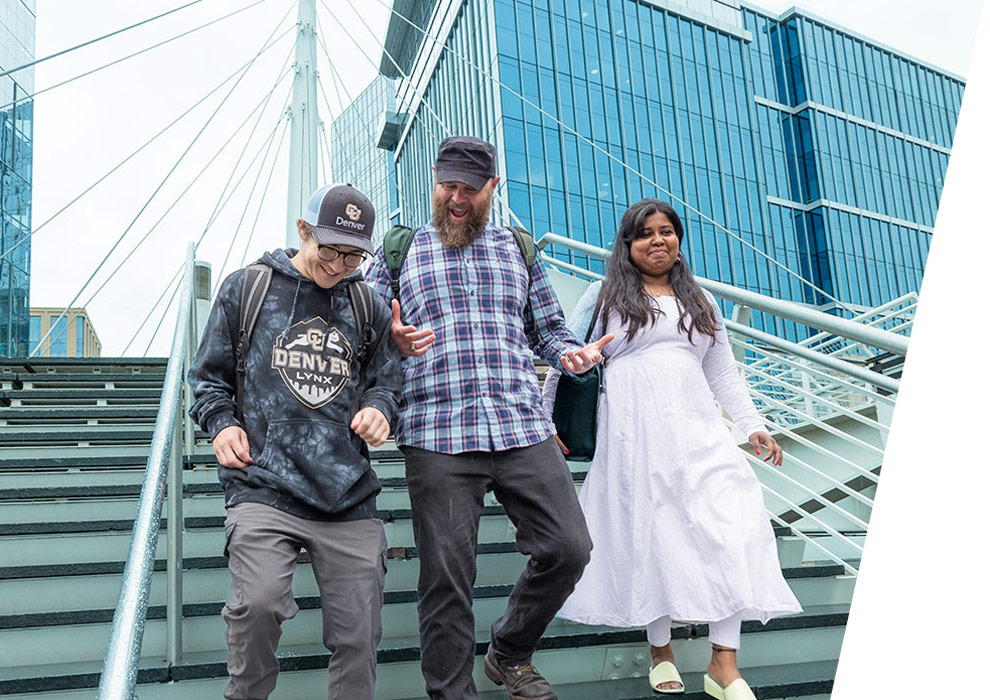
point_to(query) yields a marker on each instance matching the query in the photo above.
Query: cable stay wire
(265, 47)
(263, 106)
(500, 197)
(216, 211)
(264, 192)
(129, 56)
(168, 286)
(175, 202)
(338, 83)
(134, 153)
(328, 169)
(99, 38)
(261, 166)
(704, 217)
(161, 320)
(168, 306)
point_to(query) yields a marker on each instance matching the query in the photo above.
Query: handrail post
(120, 668)
(176, 523)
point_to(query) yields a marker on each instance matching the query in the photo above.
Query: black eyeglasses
(329, 254)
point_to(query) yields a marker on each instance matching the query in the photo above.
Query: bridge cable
(267, 141)
(136, 53)
(265, 47)
(264, 192)
(99, 38)
(168, 286)
(154, 226)
(125, 160)
(261, 167)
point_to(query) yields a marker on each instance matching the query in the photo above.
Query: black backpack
(399, 238)
(257, 279)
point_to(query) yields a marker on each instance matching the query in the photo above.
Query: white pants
(725, 632)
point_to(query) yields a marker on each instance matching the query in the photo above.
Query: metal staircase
(75, 438)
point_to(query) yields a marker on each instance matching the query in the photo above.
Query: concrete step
(576, 652)
(53, 417)
(93, 397)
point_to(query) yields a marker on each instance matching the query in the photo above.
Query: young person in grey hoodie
(294, 466)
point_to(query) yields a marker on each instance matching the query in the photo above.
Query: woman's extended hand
(561, 445)
(775, 455)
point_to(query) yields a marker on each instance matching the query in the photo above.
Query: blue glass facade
(811, 145)
(355, 158)
(17, 21)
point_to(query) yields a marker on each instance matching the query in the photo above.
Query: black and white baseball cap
(341, 215)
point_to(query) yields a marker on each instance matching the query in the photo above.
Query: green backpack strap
(399, 239)
(395, 246)
(257, 279)
(527, 246)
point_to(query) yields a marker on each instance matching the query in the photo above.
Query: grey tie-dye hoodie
(299, 394)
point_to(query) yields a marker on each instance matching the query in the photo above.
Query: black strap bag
(575, 407)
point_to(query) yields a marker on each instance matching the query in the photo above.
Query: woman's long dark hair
(622, 291)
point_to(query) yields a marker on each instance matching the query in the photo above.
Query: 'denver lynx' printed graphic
(314, 361)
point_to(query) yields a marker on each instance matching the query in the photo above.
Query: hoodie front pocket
(317, 462)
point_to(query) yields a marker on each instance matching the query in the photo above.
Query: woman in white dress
(676, 514)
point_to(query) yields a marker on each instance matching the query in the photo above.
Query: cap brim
(472, 180)
(331, 236)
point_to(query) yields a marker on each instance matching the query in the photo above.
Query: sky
(87, 127)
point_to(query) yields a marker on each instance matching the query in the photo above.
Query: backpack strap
(257, 279)
(527, 246)
(362, 303)
(399, 239)
(395, 246)
(594, 318)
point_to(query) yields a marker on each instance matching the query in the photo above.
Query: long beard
(459, 234)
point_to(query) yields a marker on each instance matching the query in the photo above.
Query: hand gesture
(231, 448)
(411, 342)
(587, 357)
(371, 426)
(774, 453)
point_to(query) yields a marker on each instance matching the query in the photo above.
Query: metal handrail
(120, 668)
(792, 311)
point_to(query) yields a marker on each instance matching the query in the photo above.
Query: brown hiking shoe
(521, 680)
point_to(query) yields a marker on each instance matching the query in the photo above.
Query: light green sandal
(736, 690)
(665, 672)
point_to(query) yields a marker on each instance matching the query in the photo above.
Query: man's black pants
(447, 494)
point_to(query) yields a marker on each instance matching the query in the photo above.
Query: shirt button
(471, 292)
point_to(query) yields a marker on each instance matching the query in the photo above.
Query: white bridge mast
(303, 145)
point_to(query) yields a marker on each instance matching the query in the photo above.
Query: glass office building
(793, 148)
(355, 156)
(17, 20)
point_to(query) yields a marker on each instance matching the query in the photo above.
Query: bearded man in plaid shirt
(468, 319)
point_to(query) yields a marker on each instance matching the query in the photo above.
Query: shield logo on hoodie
(314, 361)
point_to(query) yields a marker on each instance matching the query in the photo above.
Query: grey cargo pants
(348, 560)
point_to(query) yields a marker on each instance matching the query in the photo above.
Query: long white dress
(676, 514)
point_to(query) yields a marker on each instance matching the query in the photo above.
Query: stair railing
(120, 668)
(823, 490)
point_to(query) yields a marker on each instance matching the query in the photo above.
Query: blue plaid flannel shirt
(476, 388)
